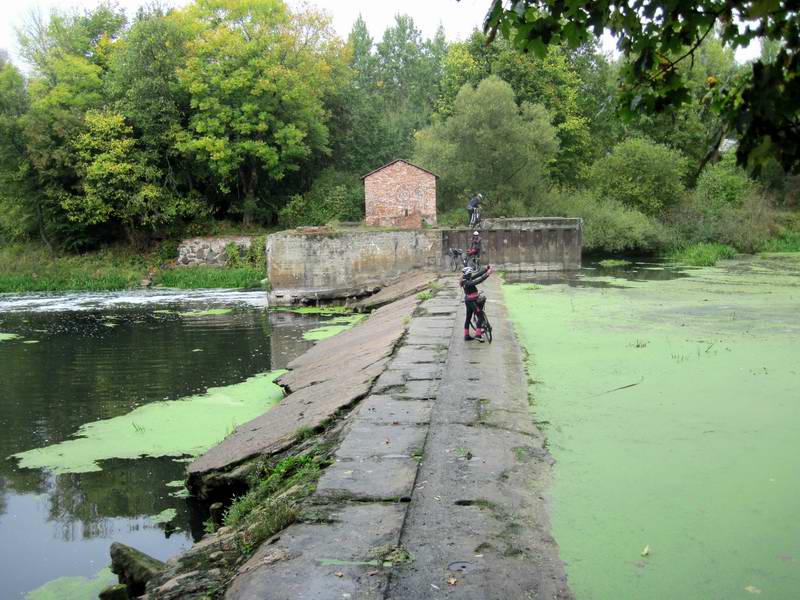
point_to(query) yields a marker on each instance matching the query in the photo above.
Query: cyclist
(470, 279)
(472, 207)
(474, 250)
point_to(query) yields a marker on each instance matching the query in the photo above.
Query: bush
(334, 196)
(642, 175)
(746, 227)
(609, 226)
(724, 184)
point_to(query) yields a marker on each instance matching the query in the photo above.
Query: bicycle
(475, 218)
(457, 259)
(487, 326)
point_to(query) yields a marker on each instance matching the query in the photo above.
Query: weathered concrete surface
(407, 285)
(449, 429)
(329, 264)
(320, 385)
(340, 558)
(344, 264)
(519, 245)
(376, 465)
(477, 524)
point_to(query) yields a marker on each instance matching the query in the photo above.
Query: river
(671, 402)
(146, 380)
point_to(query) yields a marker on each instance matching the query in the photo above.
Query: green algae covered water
(100, 415)
(671, 403)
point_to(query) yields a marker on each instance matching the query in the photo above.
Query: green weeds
(210, 277)
(611, 263)
(703, 255)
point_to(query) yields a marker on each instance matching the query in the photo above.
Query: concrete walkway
(437, 487)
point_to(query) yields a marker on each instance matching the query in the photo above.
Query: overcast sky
(458, 18)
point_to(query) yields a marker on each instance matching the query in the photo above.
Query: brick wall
(400, 195)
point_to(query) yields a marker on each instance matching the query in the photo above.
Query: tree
(657, 37)
(144, 86)
(550, 81)
(492, 145)
(641, 174)
(86, 34)
(117, 181)
(15, 216)
(256, 75)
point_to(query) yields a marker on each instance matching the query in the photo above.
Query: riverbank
(32, 268)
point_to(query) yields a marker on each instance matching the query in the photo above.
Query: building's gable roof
(389, 164)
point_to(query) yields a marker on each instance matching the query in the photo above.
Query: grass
(425, 295)
(788, 241)
(31, 268)
(256, 505)
(210, 277)
(610, 263)
(703, 255)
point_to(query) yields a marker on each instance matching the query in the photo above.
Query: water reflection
(594, 275)
(101, 363)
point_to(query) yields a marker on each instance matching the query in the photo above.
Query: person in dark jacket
(473, 205)
(470, 279)
(474, 250)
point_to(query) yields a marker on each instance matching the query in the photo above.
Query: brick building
(400, 194)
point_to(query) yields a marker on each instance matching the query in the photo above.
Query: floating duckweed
(186, 427)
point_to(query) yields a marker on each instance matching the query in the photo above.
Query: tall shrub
(642, 175)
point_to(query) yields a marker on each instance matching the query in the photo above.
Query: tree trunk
(250, 197)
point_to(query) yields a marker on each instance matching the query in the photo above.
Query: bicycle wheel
(487, 329)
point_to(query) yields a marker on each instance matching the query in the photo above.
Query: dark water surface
(84, 357)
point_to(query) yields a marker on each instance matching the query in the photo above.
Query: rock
(133, 567)
(115, 592)
(217, 511)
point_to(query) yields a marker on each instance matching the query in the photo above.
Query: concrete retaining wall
(547, 244)
(304, 266)
(209, 251)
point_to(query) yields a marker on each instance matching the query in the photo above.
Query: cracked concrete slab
(323, 560)
(370, 479)
(389, 411)
(366, 439)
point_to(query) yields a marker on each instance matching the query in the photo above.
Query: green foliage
(425, 295)
(491, 144)
(703, 255)
(33, 269)
(334, 196)
(118, 182)
(746, 226)
(200, 277)
(261, 509)
(786, 241)
(256, 75)
(641, 175)
(553, 81)
(613, 263)
(609, 226)
(657, 38)
(723, 184)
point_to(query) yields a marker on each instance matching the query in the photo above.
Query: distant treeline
(247, 111)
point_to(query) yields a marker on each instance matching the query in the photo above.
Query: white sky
(458, 18)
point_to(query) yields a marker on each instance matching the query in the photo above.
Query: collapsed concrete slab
(320, 383)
